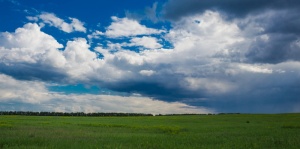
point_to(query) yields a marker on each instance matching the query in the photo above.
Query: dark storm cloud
(287, 21)
(282, 29)
(175, 9)
(157, 91)
(283, 21)
(258, 93)
(26, 71)
(279, 20)
(163, 88)
(278, 48)
(268, 100)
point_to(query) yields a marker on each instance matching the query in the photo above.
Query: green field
(193, 131)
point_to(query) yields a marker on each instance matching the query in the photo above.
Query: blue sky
(150, 56)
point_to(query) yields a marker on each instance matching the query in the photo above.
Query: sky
(166, 56)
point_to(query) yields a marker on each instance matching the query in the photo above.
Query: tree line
(30, 113)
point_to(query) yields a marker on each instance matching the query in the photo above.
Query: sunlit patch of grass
(161, 128)
(5, 125)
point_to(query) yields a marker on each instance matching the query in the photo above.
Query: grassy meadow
(188, 131)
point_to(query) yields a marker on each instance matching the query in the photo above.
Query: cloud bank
(34, 96)
(222, 58)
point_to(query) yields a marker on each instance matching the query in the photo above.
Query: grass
(192, 131)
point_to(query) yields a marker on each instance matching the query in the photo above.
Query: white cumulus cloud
(30, 45)
(146, 42)
(52, 20)
(124, 27)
